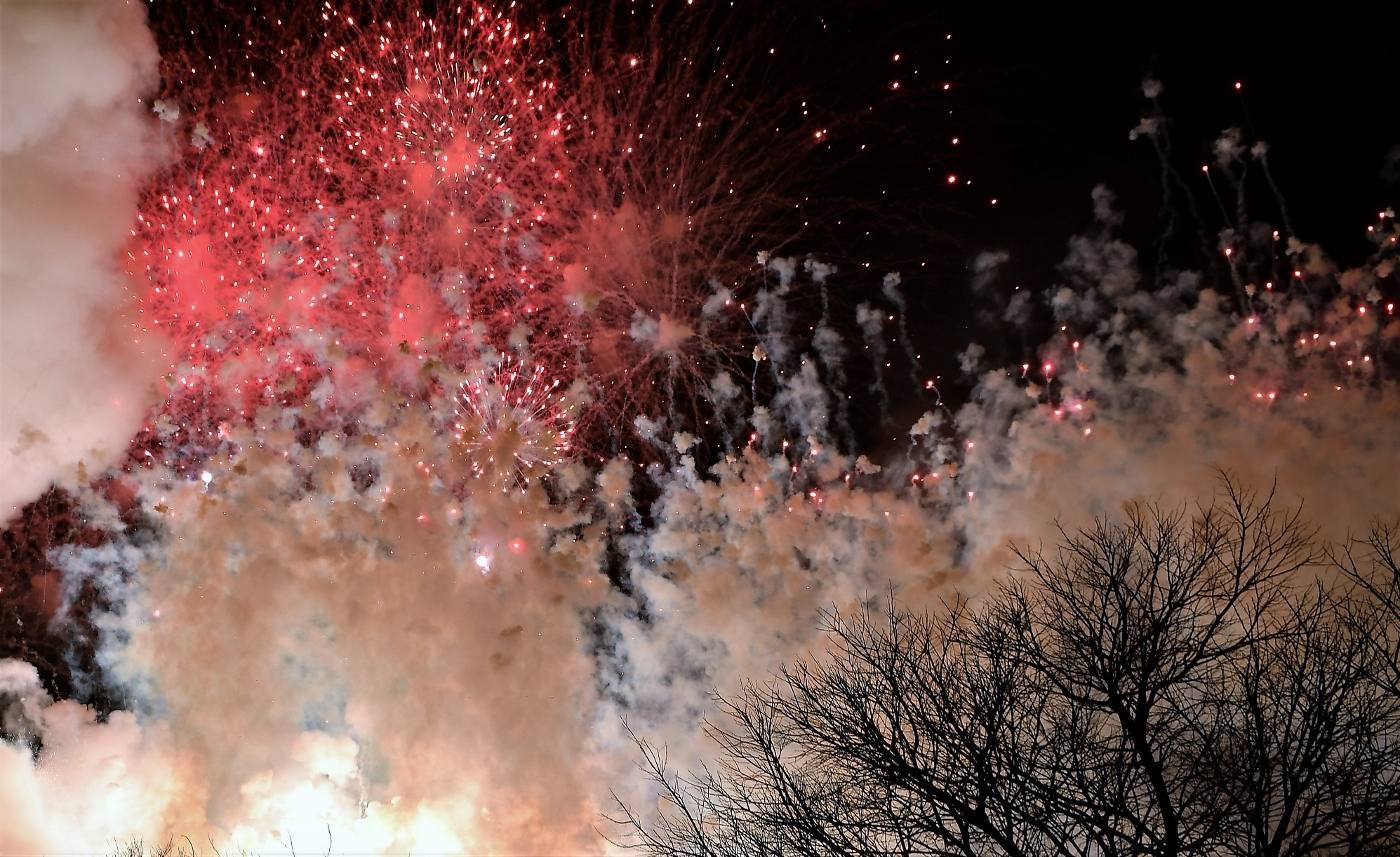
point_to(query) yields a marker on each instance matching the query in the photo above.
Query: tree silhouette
(1171, 683)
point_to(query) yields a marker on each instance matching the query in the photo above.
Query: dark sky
(1042, 106)
(1053, 107)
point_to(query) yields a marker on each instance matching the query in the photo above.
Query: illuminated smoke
(334, 634)
(1150, 388)
(331, 635)
(75, 142)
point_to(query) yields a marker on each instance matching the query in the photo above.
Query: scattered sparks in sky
(514, 423)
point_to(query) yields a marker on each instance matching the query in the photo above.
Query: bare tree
(1166, 684)
(1373, 563)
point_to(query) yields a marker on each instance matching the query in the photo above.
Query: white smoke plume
(872, 329)
(985, 267)
(403, 666)
(75, 141)
(1152, 390)
(829, 345)
(771, 313)
(890, 288)
(414, 664)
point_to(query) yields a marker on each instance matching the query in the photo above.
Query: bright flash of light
(514, 422)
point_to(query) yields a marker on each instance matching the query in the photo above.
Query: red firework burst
(690, 151)
(372, 205)
(447, 136)
(400, 191)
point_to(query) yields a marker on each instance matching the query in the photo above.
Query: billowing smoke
(75, 142)
(1152, 389)
(415, 663)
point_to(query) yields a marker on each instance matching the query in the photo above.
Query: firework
(377, 203)
(448, 142)
(514, 422)
(688, 151)
(367, 531)
(399, 191)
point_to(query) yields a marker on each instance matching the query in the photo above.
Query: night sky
(1042, 105)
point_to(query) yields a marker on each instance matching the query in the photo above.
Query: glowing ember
(514, 423)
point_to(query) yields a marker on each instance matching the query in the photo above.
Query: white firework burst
(514, 422)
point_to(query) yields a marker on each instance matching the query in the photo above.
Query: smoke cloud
(75, 141)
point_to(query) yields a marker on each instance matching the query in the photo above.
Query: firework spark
(514, 423)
